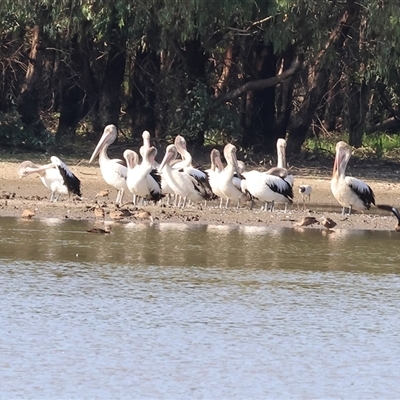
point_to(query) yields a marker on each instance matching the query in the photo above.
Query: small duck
(106, 229)
(27, 214)
(306, 221)
(328, 223)
(99, 212)
(103, 193)
(143, 215)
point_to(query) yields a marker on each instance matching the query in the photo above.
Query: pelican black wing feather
(72, 183)
(366, 195)
(286, 190)
(156, 195)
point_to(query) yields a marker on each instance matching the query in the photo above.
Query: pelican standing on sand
(56, 176)
(183, 184)
(112, 170)
(229, 185)
(142, 179)
(350, 192)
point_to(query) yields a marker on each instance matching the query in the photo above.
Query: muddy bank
(18, 194)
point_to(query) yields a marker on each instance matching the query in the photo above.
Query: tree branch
(260, 84)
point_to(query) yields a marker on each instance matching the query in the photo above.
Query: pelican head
(28, 167)
(230, 157)
(281, 151)
(170, 155)
(215, 157)
(150, 154)
(108, 137)
(131, 157)
(180, 143)
(343, 154)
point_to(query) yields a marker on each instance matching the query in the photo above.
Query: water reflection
(178, 310)
(179, 244)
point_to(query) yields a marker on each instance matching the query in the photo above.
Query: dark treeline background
(211, 70)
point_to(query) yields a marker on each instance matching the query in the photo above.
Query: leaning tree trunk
(318, 78)
(28, 100)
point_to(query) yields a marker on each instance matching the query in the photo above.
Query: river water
(177, 311)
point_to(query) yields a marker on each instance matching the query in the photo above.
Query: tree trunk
(358, 106)
(284, 93)
(28, 100)
(72, 96)
(261, 135)
(110, 93)
(334, 105)
(142, 101)
(318, 78)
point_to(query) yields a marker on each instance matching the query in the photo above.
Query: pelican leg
(227, 203)
(220, 202)
(184, 202)
(134, 201)
(272, 206)
(343, 210)
(52, 196)
(350, 208)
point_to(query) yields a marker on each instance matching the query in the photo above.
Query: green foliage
(195, 114)
(13, 133)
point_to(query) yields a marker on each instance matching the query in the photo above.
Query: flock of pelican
(146, 179)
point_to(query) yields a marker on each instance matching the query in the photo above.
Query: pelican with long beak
(56, 176)
(230, 187)
(281, 153)
(182, 183)
(143, 180)
(112, 170)
(351, 193)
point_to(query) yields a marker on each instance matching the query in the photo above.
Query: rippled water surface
(193, 311)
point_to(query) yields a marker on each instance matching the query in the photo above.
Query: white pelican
(267, 188)
(186, 164)
(56, 176)
(350, 192)
(142, 179)
(281, 152)
(182, 183)
(146, 143)
(305, 191)
(229, 184)
(112, 170)
(213, 172)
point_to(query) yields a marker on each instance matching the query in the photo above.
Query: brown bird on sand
(103, 193)
(395, 211)
(99, 212)
(328, 223)
(106, 229)
(27, 214)
(307, 221)
(117, 215)
(143, 215)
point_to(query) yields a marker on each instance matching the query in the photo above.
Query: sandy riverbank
(17, 195)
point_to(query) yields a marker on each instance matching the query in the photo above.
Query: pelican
(146, 143)
(350, 192)
(395, 212)
(142, 179)
(213, 172)
(267, 188)
(281, 152)
(229, 185)
(56, 176)
(112, 170)
(182, 183)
